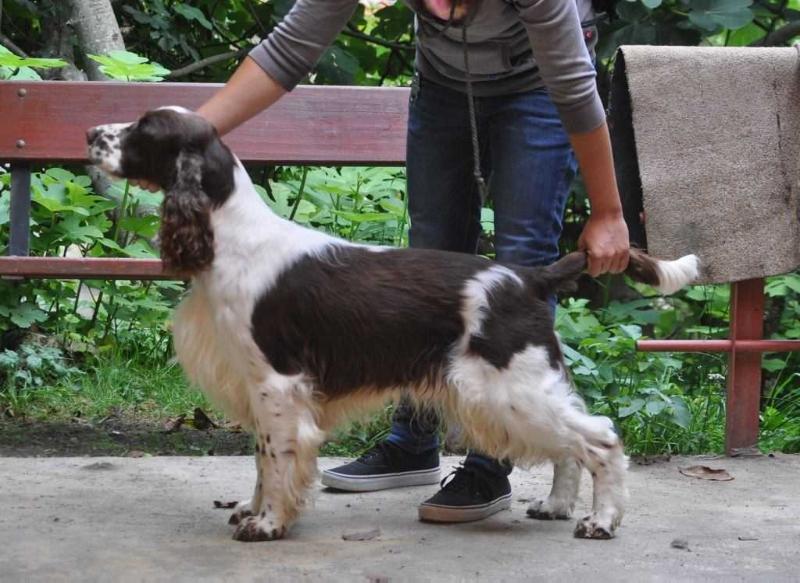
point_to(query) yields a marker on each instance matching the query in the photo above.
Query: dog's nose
(91, 135)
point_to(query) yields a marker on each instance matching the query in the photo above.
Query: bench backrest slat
(47, 121)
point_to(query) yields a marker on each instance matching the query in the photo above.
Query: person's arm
(275, 66)
(605, 235)
(566, 67)
(279, 63)
(249, 91)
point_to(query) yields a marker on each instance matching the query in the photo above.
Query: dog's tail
(666, 276)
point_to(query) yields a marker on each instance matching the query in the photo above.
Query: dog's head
(181, 152)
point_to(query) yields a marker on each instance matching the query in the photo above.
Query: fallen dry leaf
(680, 543)
(99, 466)
(220, 504)
(648, 460)
(706, 473)
(362, 535)
(173, 424)
(747, 537)
(202, 421)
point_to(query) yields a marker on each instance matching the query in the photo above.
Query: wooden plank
(744, 369)
(83, 268)
(47, 120)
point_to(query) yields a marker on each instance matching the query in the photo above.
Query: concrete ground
(152, 519)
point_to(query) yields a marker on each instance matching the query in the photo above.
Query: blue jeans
(529, 165)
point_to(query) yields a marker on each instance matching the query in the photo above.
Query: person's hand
(145, 184)
(605, 240)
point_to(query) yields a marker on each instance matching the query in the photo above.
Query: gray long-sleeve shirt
(514, 45)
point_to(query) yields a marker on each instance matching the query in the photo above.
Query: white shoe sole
(381, 481)
(438, 513)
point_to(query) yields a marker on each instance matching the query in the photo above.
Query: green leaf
(712, 14)
(146, 226)
(141, 249)
(681, 415)
(9, 59)
(33, 361)
(573, 357)
(632, 11)
(393, 205)
(655, 406)
(631, 330)
(127, 66)
(109, 244)
(633, 407)
(192, 13)
(60, 174)
(5, 205)
(8, 359)
(365, 217)
(25, 315)
(773, 364)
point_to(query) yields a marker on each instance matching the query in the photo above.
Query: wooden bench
(45, 122)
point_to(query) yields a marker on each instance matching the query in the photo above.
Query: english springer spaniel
(292, 331)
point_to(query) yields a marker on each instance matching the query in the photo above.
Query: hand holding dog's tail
(666, 276)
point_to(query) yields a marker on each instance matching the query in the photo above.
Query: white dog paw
(592, 527)
(549, 510)
(259, 528)
(241, 511)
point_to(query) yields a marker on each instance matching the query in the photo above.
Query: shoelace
(467, 480)
(379, 449)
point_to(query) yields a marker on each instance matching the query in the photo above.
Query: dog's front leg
(249, 507)
(287, 439)
(561, 501)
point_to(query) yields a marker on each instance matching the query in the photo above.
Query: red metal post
(744, 370)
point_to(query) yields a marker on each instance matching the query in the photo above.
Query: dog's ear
(187, 240)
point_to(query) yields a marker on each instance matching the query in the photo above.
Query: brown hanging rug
(707, 144)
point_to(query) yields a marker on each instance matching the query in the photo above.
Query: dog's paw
(257, 528)
(591, 527)
(549, 510)
(241, 511)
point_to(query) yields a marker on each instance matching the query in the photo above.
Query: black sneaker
(470, 495)
(383, 467)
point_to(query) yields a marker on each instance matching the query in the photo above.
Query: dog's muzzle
(104, 146)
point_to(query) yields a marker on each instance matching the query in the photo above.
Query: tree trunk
(59, 43)
(98, 32)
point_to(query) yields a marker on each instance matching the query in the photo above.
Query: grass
(146, 391)
(150, 392)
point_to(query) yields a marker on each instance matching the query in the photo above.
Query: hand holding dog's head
(182, 152)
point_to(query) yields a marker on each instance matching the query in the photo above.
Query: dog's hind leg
(532, 413)
(287, 439)
(561, 501)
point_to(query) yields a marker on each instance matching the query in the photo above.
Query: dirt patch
(115, 437)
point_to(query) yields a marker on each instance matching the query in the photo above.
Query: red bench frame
(46, 122)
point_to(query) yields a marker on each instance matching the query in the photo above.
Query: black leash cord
(476, 156)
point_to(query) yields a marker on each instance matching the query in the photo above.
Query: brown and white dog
(292, 331)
